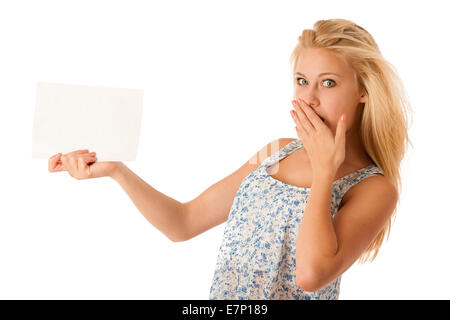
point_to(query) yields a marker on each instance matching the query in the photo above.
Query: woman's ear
(363, 98)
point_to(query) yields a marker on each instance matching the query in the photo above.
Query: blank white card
(74, 117)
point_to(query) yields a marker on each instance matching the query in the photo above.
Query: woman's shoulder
(375, 183)
(280, 143)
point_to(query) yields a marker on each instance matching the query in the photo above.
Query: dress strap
(352, 179)
(282, 153)
(343, 184)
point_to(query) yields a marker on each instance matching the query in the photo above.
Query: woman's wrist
(323, 176)
(117, 170)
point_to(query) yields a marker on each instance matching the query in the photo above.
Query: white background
(217, 87)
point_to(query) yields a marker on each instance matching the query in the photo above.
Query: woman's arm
(316, 240)
(213, 205)
(162, 211)
(326, 245)
(183, 221)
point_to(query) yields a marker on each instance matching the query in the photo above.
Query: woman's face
(329, 95)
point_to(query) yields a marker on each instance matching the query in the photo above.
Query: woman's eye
(326, 80)
(300, 79)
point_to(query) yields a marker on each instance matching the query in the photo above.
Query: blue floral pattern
(256, 258)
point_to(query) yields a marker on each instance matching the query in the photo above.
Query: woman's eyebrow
(324, 73)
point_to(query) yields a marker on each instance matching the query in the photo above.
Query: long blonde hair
(384, 122)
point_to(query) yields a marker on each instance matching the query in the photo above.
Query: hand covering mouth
(321, 118)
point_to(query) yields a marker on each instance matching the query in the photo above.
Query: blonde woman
(300, 216)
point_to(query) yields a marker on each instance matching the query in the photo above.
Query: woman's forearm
(316, 241)
(163, 212)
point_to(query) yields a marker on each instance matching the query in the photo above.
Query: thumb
(340, 130)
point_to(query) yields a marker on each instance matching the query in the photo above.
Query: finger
(302, 118)
(67, 164)
(52, 162)
(312, 116)
(298, 124)
(88, 157)
(300, 133)
(77, 152)
(83, 167)
(295, 118)
(340, 131)
(85, 159)
(64, 158)
(303, 135)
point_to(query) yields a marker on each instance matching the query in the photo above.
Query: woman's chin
(330, 126)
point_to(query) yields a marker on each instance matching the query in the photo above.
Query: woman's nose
(309, 95)
(309, 102)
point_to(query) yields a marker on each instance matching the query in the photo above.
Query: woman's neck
(355, 154)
